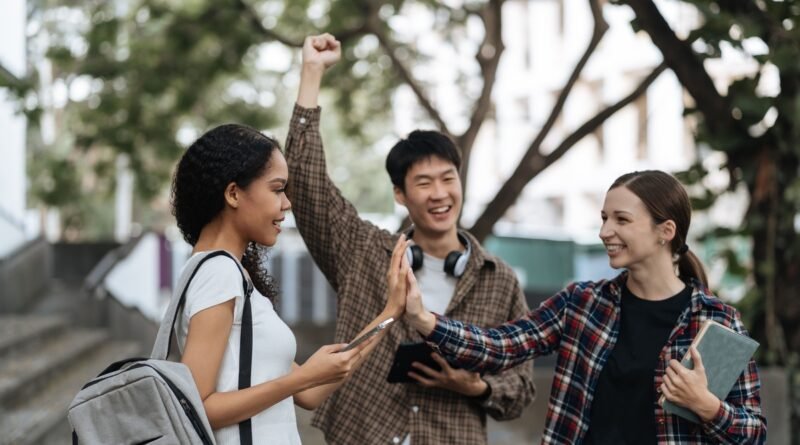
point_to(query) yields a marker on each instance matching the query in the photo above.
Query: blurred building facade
(12, 127)
(543, 42)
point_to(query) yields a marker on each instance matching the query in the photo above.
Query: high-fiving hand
(416, 314)
(396, 278)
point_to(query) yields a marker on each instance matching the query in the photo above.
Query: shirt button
(415, 409)
(395, 439)
(302, 120)
(661, 421)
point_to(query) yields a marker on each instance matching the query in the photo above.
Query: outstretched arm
(490, 350)
(328, 222)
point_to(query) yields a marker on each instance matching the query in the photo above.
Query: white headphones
(454, 263)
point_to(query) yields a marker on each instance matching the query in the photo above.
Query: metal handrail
(9, 218)
(100, 271)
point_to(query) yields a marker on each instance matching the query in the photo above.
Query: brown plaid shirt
(354, 255)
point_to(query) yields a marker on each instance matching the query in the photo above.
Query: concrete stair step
(42, 417)
(26, 373)
(60, 298)
(21, 333)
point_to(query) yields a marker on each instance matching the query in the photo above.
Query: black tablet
(406, 354)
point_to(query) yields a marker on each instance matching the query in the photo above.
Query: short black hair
(419, 145)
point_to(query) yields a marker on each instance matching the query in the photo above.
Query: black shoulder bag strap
(246, 356)
(245, 340)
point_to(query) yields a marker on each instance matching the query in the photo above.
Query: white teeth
(440, 209)
(614, 248)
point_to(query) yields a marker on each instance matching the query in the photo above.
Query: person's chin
(617, 263)
(439, 227)
(268, 240)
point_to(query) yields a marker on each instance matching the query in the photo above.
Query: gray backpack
(140, 400)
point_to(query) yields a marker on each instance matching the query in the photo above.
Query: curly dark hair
(225, 154)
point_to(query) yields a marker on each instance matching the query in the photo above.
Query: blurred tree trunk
(767, 163)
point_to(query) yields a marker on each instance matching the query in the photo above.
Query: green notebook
(725, 355)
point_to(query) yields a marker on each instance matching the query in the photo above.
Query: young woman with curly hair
(229, 194)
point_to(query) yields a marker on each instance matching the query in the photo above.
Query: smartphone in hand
(369, 334)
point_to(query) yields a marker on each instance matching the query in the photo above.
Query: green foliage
(145, 77)
(141, 73)
(762, 148)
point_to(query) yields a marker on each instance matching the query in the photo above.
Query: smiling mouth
(277, 223)
(614, 248)
(440, 210)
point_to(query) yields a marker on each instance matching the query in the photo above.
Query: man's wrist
(310, 81)
(313, 68)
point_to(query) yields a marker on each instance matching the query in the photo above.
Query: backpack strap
(165, 331)
(245, 365)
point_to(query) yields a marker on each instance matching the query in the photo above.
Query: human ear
(399, 196)
(232, 195)
(667, 230)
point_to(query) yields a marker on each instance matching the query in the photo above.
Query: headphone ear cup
(414, 256)
(461, 265)
(451, 264)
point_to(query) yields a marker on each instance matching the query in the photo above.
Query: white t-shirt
(437, 288)
(218, 280)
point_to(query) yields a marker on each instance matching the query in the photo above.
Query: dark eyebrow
(449, 171)
(280, 181)
(617, 212)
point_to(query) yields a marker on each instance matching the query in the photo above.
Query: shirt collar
(702, 298)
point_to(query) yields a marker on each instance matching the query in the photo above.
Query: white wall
(12, 129)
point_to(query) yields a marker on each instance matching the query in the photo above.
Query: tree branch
(255, 22)
(374, 26)
(270, 34)
(600, 28)
(689, 69)
(8, 78)
(530, 168)
(488, 57)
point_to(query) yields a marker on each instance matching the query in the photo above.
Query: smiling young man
(460, 278)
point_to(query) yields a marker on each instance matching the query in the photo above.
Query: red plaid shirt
(581, 325)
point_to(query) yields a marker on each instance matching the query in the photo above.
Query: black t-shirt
(623, 410)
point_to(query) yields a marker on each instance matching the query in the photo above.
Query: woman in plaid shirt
(619, 341)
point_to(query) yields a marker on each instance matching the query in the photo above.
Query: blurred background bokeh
(549, 101)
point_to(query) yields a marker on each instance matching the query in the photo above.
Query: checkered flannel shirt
(581, 324)
(354, 255)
